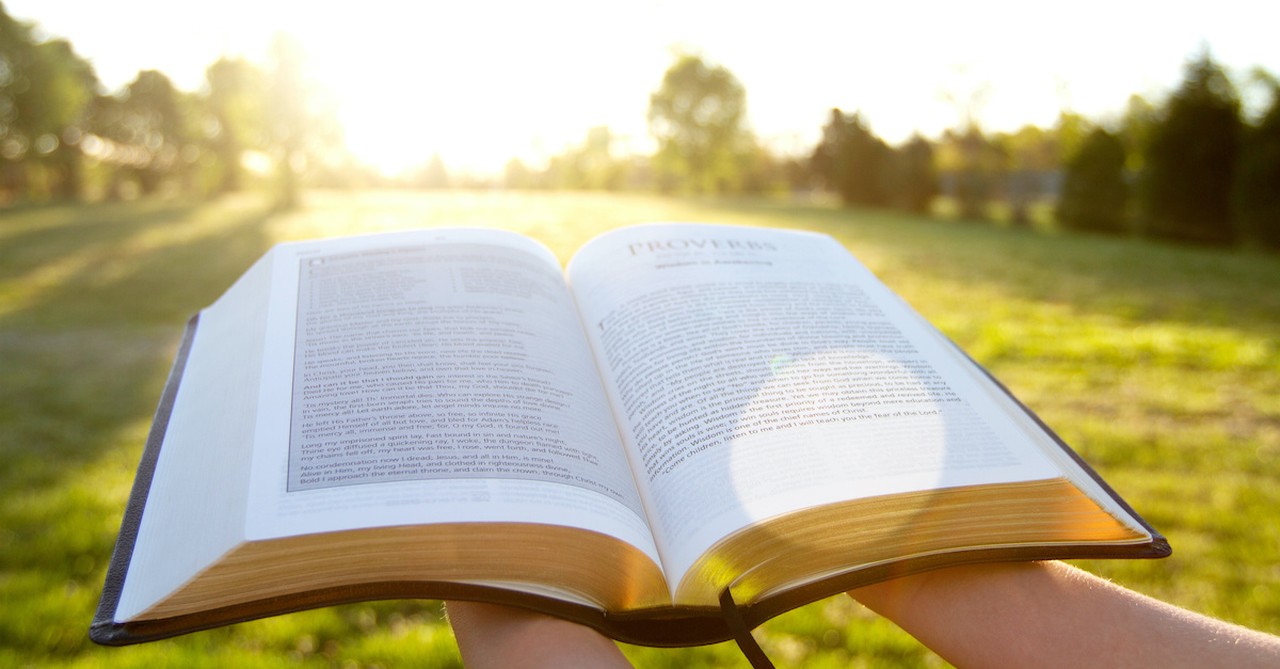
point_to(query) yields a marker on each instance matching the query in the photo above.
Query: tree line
(1190, 169)
(63, 138)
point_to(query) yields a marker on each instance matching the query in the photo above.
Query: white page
(206, 450)
(757, 372)
(366, 427)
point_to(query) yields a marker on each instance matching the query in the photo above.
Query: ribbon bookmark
(741, 633)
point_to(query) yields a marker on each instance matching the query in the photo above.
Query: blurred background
(1084, 196)
(1145, 117)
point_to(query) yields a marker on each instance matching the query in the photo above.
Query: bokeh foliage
(1095, 194)
(698, 116)
(1191, 159)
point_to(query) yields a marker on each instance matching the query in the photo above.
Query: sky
(481, 81)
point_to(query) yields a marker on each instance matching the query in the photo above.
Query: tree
(17, 53)
(302, 129)
(853, 161)
(1069, 133)
(1140, 117)
(590, 165)
(1094, 192)
(972, 165)
(287, 113)
(914, 176)
(1257, 185)
(431, 176)
(1032, 154)
(45, 90)
(517, 176)
(65, 84)
(763, 172)
(1191, 159)
(236, 122)
(698, 117)
(150, 125)
(970, 162)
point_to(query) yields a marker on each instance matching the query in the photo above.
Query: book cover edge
(104, 629)
(667, 627)
(1157, 538)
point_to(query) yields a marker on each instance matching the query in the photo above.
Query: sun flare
(476, 90)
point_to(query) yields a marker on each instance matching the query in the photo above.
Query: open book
(688, 415)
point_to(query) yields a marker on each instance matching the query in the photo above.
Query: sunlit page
(440, 376)
(757, 372)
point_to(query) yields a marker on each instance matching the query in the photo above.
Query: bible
(689, 429)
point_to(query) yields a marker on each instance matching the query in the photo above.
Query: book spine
(104, 629)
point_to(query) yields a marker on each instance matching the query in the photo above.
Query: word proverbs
(699, 244)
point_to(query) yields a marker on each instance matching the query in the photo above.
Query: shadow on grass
(92, 304)
(87, 267)
(93, 301)
(1130, 279)
(34, 236)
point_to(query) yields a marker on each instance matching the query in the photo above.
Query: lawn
(1160, 364)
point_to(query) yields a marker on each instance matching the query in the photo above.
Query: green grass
(1160, 364)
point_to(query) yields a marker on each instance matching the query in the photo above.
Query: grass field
(1160, 364)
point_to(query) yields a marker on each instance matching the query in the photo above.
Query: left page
(440, 376)
(407, 378)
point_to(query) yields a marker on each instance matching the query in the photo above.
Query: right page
(758, 372)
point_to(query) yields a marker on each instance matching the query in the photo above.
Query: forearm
(1051, 615)
(499, 636)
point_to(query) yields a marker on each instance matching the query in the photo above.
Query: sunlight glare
(426, 80)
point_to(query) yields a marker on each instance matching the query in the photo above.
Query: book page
(207, 447)
(439, 376)
(758, 372)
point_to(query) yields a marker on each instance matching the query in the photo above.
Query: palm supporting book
(686, 415)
